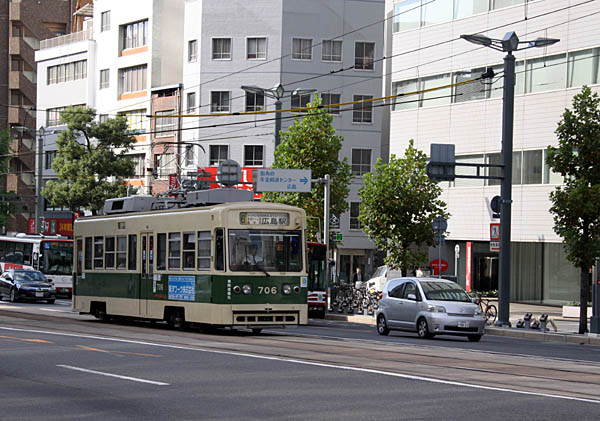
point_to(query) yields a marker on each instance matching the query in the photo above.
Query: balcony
(23, 150)
(18, 80)
(23, 183)
(67, 39)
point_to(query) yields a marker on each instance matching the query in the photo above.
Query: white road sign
(281, 180)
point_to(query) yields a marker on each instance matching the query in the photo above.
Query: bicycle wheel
(491, 313)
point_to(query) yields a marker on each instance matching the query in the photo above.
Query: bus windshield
(56, 257)
(265, 250)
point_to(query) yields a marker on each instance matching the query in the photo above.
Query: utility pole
(39, 201)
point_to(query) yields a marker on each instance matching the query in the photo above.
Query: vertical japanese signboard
(468, 268)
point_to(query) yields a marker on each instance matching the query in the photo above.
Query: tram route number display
(264, 218)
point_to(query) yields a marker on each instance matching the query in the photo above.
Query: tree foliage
(398, 205)
(6, 205)
(311, 143)
(576, 204)
(86, 160)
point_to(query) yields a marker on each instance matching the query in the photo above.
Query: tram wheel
(177, 320)
(256, 330)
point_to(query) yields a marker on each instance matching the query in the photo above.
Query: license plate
(463, 324)
(39, 294)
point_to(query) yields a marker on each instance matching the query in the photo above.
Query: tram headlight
(296, 289)
(287, 290)
(237, 289)
(247, 289)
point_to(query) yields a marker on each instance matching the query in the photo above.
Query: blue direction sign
(281, 180)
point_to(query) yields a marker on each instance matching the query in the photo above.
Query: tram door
(147, 278)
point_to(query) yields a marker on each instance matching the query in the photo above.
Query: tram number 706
(267, 290)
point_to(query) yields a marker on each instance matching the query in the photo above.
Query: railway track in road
(516, 373)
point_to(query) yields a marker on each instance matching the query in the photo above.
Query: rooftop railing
(67, 39)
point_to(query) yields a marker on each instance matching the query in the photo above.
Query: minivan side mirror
(475, 300)
(412, 297)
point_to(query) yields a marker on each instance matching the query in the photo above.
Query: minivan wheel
(423, 329)
(13, 296)
(382, 328)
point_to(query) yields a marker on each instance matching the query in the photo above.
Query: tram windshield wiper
(261, 268)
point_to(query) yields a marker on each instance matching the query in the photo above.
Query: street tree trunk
(583, 299)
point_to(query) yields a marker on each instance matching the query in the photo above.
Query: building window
(331, 50)
(102, 118)
(437, 11)
(533, 167)
(135, 120)
(139, 164)
(300, 101)
(134, 35)
(221, 48)
(302, 48)
(253, 155)
(189, 155)
(105, 21)
(438, 96)
(329, 99)
(354, 212)
(67, 72)
(132, 79)
(104, 78)
(256, 49)
(363, 111)
(165, 126)
(407, 15)
(364, 55)
(545, 73)
(583, 68)
(361, 161)
(404, 87)
(255, 102)
(465, 8)
(217, 154)
(192, 50)
(191, 102)
(53, 116)
(469, 91)
(219, 101)
(50, 157)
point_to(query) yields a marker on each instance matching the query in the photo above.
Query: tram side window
(132, 262)
(98, 252)
(189, 250)
(109, 253)
(219, 249)
(161, 252)
(203, 250)
(88, 252)
(2, 249)
(27, 254)
(121, 252)
(79, 256)
(174, 250)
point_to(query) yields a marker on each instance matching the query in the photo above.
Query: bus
(235, 265)
(51, 255)
(317, 283)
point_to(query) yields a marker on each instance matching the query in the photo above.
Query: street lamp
(509, 43)
(275, 93)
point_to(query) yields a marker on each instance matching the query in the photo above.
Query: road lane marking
(54, 310)
(100, 373)
(41, 341)
(316, 364)
(89, 348)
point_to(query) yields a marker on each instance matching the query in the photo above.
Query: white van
(381, 276)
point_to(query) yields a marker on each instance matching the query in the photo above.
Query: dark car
(27, 284)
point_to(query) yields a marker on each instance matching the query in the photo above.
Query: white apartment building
(426, 51)
(296, 44)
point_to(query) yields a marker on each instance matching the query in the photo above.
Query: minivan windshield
(444, 291)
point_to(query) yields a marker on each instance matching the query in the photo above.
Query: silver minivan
(428, 306)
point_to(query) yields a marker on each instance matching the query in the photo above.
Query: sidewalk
(566, 327)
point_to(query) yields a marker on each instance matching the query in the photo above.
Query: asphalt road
(62, 365)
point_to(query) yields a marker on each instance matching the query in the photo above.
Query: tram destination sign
(264, 218)
(281, 180)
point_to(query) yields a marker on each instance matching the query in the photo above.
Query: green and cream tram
(238, 264)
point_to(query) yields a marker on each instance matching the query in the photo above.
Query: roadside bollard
(527, 320)
(543, 323)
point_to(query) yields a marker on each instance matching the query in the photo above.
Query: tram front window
(57, 258)
(265, 250)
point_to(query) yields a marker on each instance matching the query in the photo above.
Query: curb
(587, 339)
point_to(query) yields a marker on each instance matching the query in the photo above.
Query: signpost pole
(327, 182)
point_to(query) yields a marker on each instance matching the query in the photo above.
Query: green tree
(84, 168)
(6, 198)
(311, 143)
(398, 205)
(576, 204)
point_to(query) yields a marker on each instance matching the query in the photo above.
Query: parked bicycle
(490, 312)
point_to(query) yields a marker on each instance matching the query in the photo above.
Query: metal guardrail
(67, 39)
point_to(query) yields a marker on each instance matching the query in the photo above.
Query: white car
(381, 276)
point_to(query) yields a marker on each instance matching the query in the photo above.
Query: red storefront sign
(468, 268)
(52, 226)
